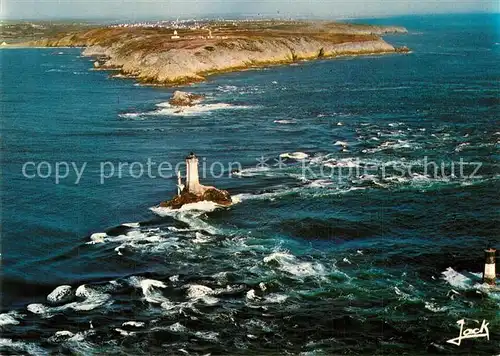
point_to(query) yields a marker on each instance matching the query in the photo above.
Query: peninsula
(180, 55)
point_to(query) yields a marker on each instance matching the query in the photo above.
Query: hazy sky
(157, 9)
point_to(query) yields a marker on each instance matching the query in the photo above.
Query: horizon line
(227, 16)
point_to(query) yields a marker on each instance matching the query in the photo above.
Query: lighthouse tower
(192, 191)
(192, 178)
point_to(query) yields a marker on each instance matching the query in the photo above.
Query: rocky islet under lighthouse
(193, 192)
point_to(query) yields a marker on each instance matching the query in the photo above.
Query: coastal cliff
(154, 56)
(178, 66)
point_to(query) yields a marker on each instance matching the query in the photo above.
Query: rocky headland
(158, 56)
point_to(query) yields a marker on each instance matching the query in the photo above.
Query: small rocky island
(193, 191)
(181, 98)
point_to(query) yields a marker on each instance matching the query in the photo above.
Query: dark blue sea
(365, 191)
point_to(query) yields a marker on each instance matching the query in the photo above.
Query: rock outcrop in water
(181, 98)
(151, 56)
(193, 191)
(60, 295)
(212, 194)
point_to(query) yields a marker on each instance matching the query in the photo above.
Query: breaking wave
(165, 109)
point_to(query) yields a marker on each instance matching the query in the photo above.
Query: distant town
(22, 31)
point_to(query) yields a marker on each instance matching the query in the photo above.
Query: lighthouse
(192, 177)
(489, 274)
(192, 191)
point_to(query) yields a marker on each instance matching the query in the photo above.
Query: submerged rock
(181, 98)
(403, 49)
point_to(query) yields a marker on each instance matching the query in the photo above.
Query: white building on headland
(175, 36)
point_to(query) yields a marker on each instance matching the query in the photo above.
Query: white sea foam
(341, 143)
(22, 347)
(190, 215)
(227, 88)
(394, 145)
(202, 206)
(61, 336)
(403, 295)
(131, 239)
(197, 292)
(178, 328)
(149, 289)
(10, 318)
(295, 155)
(92, 299)
(257, 325)
(320, 183)
(165, 109)
(201, 239)
(460, 281)
(78, 344)
(310, 189)
(285, 122)
(290, 264)
(251, 295)
(137, 324)
(251, 172)
(263, 196)
(135, 224)
(145, 241)
(342, 163)
(98, 237)
(131, 115)
(434, 307)
(235, 199)
(207, 335)
(124, 332)
(461, 146)
(275, 298)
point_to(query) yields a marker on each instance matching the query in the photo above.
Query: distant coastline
(169, 57)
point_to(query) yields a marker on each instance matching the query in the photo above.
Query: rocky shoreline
(185, 66)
